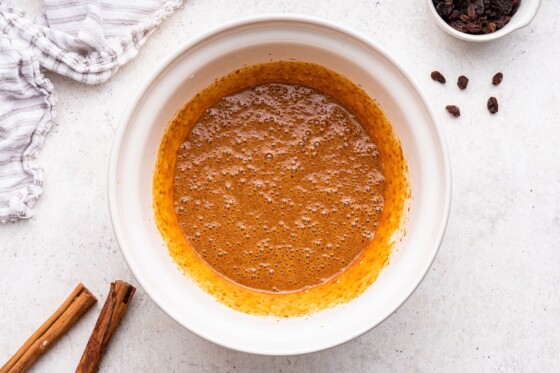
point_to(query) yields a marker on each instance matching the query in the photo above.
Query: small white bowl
(194, 66)
(523, 17)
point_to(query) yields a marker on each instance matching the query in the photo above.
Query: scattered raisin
(476, 16)
(438, 77)
(492, 105)
(497, 79)
(462, 82)
(453, 110)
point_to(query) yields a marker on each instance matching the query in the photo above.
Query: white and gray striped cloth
(86, 40)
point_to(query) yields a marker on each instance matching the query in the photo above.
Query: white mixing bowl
(193, 67)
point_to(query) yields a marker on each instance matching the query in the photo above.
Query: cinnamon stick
(120, 295)
(73, 308)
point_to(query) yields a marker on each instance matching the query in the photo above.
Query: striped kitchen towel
(86, 40)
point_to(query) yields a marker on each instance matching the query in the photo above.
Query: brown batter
(278, 187)
(276, 198)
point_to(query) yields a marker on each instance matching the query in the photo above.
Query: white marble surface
(491, 301)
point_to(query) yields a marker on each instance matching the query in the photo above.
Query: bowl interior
(193, 68)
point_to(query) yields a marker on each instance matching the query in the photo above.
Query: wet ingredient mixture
(278, 187)
(257, 177)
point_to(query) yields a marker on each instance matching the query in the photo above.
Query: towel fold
(86, 40)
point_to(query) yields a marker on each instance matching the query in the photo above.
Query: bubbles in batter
(278, 187)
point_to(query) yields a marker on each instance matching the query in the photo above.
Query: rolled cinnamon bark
(111, 315)
(73, 308)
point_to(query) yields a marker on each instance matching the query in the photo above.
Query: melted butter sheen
(278, 187)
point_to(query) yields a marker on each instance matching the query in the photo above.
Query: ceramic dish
(193, 67)
(523, 17)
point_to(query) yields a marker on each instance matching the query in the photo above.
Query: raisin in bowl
(482, 20)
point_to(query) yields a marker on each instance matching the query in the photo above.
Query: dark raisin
(454, 15)
(447, 9)
(462, 82)
(453, 110)
(492, 105)
(497, 79)
(459, 26)
(438, 77)
(489, 28)
(500, 22)
(439, 9)
(502, 6)
(479, 5)
(516, 4)
(471, 11)
(474, 27)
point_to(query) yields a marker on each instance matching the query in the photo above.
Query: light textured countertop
(491, 301)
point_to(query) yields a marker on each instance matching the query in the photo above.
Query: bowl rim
(112, 183)
(523, 20)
